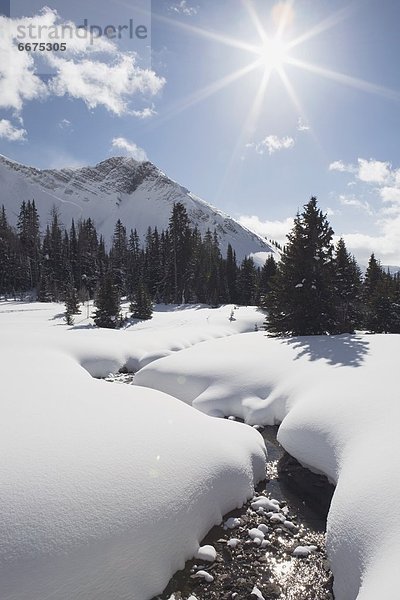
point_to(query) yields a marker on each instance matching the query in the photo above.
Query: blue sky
(327, 122)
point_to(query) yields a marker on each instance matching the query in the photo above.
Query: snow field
(337, 399)
(106, 490)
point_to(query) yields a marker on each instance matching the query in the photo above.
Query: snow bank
(103, 351)
(105, 489)
(338, 401)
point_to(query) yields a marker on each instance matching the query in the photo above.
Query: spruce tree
(29, 237)
(231, 274)
(88, 248)
(119, 256)
(268, 271)
(373, 288)
(181, 250)
(381, 300)
(134, 263)
(5, 252)
(347, 290)
(108, 313)
(247, 282)
(300, 300)
(71, 304)
(142, 306)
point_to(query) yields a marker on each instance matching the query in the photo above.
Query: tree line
(176, 265)
(318, 288)
(315, 288)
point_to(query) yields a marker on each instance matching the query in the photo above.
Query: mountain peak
(119, 187)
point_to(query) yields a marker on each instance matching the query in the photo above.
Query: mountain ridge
(138, 193)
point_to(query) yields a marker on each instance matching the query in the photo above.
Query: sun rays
(271, 55)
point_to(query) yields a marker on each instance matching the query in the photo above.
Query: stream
(265, 567)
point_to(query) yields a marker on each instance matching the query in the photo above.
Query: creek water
(245, 570)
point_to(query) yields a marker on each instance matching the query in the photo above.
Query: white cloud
(272, 143)
(302, 125)
(18, 82)
(11, 133)
(383, 182)
(272, 230)
(91, 69)
(373, 171)
(368, 171)
(390, 194)
(339, 165)
(184, 8)
(146, 113)
(352, 200)
(97, 83)
(385, 245)
(330, 212)
(65, 124)
(129, 148)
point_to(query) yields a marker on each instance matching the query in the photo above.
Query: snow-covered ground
(338, 400)
(105, 490)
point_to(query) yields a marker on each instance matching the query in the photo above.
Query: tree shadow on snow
(57, 316)
(348, 350)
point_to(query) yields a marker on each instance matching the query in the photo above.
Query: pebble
(256, 592)
(231, 523)
(304, 551)
(289, 525)
(265, 503)
(256, 534)
(203, 575)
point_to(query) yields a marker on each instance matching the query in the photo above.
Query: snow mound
(106, 489)
(337, 399)
(207, 553)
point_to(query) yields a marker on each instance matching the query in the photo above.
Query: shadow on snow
(348, 350)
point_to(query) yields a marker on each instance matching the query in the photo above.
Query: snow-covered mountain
(117, 188)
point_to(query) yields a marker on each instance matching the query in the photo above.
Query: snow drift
(338, 401)
(105, 490)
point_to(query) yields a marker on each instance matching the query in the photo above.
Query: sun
(273, 54)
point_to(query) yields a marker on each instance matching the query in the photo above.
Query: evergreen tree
(180, 237)
(152, 272)
(29, 237)
(108, 308)
(347, 290)
(142, 306)
(88, 265)
(54, 269)
(247, 282)
(268, 271)
(119, 257)
(300, 300)
(5, 253)
(134, 263)
(231, 274)
(73, 255)
(209, 284)
(71, 304)
(372, 290)
(381, 300)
